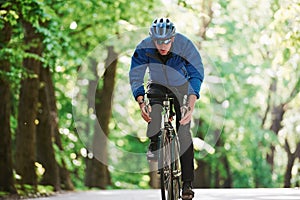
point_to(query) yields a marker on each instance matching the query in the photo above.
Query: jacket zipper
(163, 66)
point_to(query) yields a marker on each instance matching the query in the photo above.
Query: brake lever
(184, 108)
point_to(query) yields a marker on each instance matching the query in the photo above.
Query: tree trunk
(202, 175)
(25, 136)
(290, 164)
(277, 117)
(64, 174)
(222, 181)
(228, 179)
(6, 168)
(203, 172)
(206, 19)
(45, 133)
(97, 174)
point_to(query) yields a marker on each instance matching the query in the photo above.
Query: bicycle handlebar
(162, 96)
(184, 108)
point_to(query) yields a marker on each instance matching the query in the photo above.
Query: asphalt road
(200, 194)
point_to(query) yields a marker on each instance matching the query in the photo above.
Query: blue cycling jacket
(184, 64)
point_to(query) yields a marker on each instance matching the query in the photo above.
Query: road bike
(168, 157)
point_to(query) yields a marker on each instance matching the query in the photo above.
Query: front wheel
(169, 168)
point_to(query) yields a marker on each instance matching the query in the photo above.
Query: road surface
(200, 194)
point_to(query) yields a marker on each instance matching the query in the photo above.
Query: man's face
(164, 46)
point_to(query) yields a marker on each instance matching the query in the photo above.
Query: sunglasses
(160, 42)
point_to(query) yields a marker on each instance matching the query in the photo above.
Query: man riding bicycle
(175, 66)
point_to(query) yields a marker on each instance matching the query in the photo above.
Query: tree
(47, 122)
(291, 160)
(250, 52)
(97, 174)
(111, 22)
(6, 166)
(39, 50)
(64, 174)
(284, 87)
(25, 137)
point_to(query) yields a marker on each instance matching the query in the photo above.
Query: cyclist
(175, 66)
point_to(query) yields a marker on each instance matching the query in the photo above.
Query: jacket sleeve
(194, 69)
(138, 67)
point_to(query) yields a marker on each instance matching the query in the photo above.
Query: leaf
(286, 54)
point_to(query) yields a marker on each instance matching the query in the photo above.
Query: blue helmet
(162, 28)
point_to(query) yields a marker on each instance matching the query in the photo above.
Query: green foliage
(29, 191)
(246, 46)
(247, 56)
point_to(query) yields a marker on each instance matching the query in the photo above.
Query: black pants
(184, 134)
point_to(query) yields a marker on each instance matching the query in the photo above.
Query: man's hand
(188, 110)
(187, 117)
(145, 111)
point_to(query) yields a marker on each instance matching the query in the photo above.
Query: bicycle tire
(176, 169)
(169, 168)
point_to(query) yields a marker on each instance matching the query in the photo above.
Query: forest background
(68, 119)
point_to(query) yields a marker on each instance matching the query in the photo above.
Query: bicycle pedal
(177, 173)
